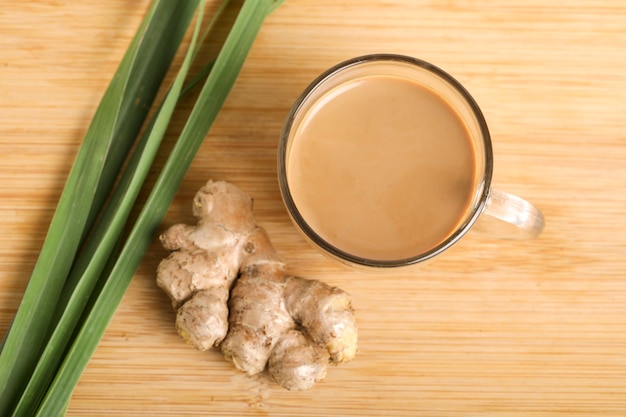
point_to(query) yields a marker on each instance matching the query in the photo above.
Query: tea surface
(382, 168)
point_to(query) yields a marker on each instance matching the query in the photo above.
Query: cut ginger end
(232, 291)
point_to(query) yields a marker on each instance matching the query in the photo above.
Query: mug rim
(346, 257)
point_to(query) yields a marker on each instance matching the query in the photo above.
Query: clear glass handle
(507, 216)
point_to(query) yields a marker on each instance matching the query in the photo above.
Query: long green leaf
(31, 322)
(109, 229)
(214, 93)
(85, 189)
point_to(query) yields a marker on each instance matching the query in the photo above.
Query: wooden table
(490, 328)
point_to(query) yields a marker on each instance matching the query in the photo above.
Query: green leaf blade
(30, 328)
(214, 93)
(94, 258)
(94, 166)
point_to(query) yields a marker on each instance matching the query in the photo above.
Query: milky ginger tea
(381, 167)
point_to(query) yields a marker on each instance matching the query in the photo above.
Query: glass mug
(385, 161)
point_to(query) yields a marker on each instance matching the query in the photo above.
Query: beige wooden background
(491, 328)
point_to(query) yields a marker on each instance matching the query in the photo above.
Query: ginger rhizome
(231, 290)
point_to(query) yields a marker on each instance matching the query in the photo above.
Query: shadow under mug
(490, 211)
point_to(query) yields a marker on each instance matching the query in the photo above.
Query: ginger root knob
(232, 291)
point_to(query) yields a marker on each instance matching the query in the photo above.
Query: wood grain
(491, 328)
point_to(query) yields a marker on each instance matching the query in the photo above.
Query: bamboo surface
(490, 328)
